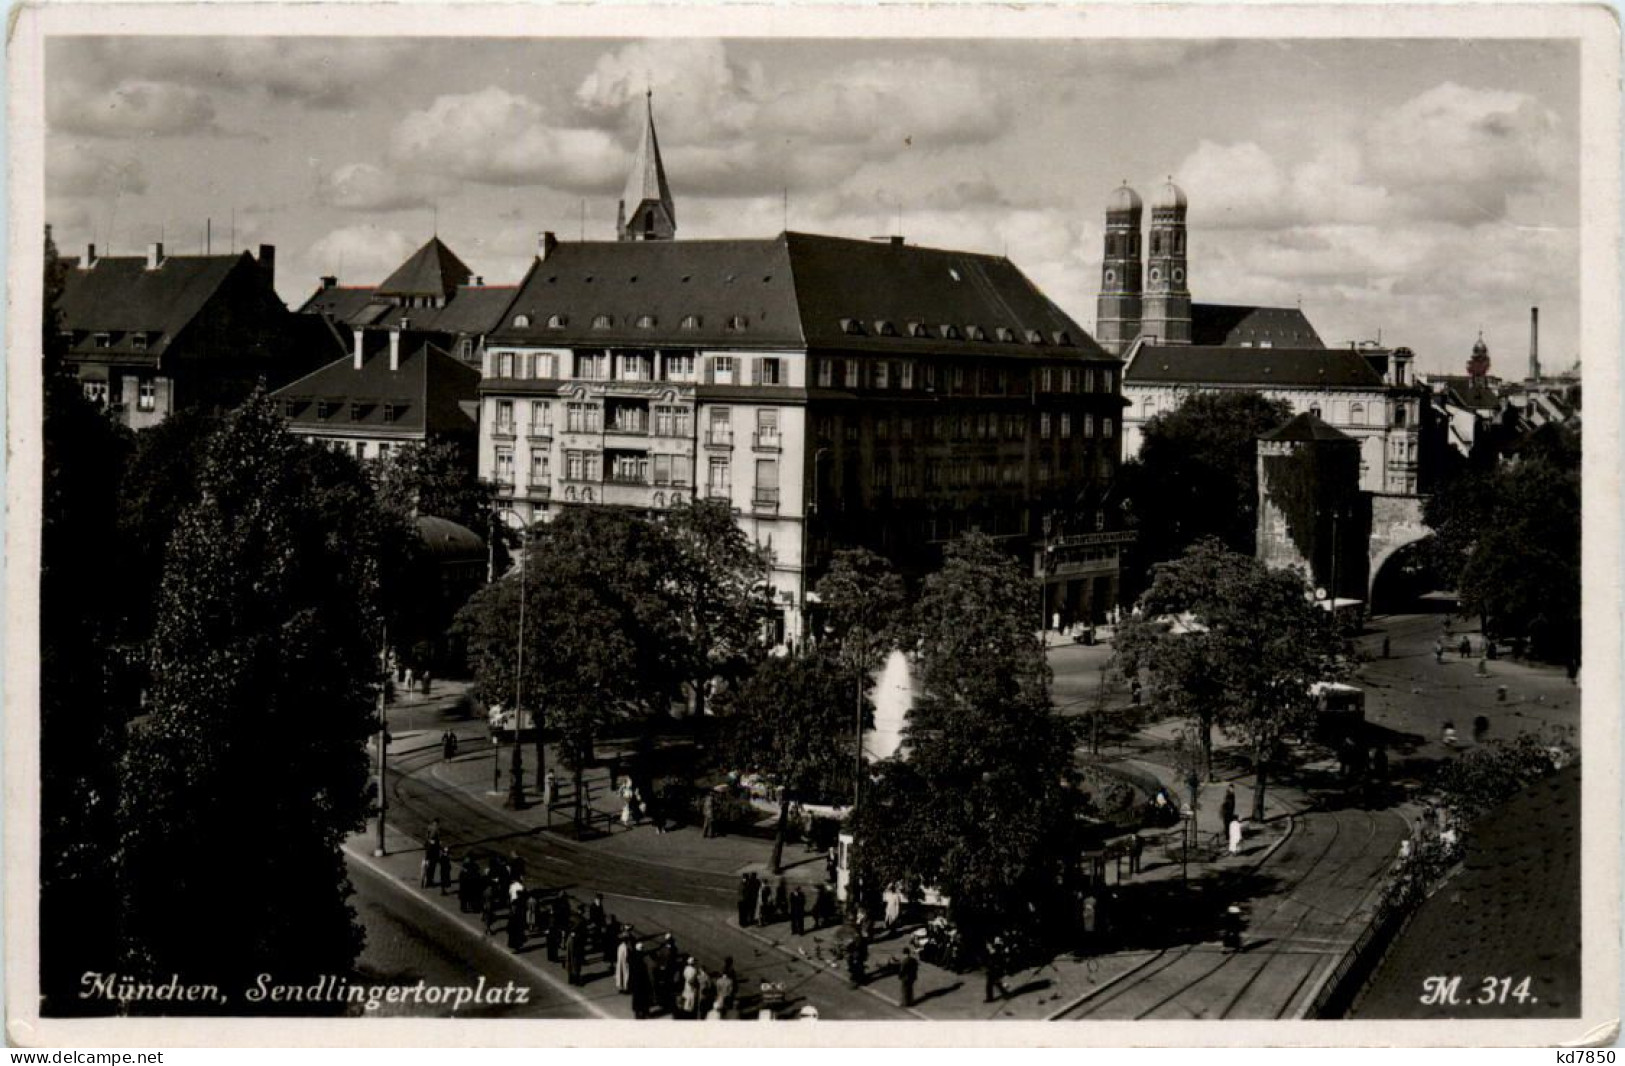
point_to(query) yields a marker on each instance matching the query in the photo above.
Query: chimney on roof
(90, 257)
(897, 240)
(155, 255)
(360, 348)
(1534, 344)
(268, 261)
(329, 281)
(479, 281)
(546, 245)
(395, 346)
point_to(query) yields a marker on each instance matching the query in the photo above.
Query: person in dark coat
(640, 983)
(470, 886)
(764, 904)
(431, 863)
(781, 900)
(669, 977)
(823, 907)
(748, 893)
(857, 958)
(609, 938)
(516, 924)
(1227, 807)
(908, 972)
(493, 899)
(445, 870)
(595, 912)
(798, 911)
(575, 953)
(555, 936)
(995, 970)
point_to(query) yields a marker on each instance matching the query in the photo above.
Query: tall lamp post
(383, 741)
(516, 771)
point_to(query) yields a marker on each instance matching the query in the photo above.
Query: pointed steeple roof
(646, 184)
(433, 270)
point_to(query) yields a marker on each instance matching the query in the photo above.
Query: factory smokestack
(1534, 344)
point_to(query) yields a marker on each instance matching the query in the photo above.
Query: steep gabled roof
(471, 309)
(121, 296)
(1233, 325)
(425, 393)
(1259, 367)
(797, 290)
(1307, 427)
(433, 270)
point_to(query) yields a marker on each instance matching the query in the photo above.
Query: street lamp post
(383, 742)
(516, 777)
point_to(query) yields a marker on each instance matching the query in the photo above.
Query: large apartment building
(834, 392)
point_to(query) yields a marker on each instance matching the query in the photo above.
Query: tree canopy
(1227, 639)
(981, 807)
(1510, 538)
(1196, 475)
(437, 478)
(251, 768)
(863, 608)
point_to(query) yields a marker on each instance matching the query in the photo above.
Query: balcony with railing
(539, 490)
(723, 491)
(765, 501)
(539, 430)
(719, 437)
(502, 430)
(767, 440)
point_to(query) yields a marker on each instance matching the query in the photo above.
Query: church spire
(646, 207)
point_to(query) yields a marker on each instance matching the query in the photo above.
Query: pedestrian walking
(798, 911)
(638, 982)
(575, 953)
(894, 906)
(994, 973)
(727, 987)
(1385, 647)
(908, 972)
(857, 959)
(708, 994)
(444, 870)
(550, 790)
(781, 900)
(1448, 734)
(764, 904)
(516, 925)
(470, 885)
(595, 911)
(671, 977)
(1227, 807)
(823, 907)
(609, 935)
(1135, 847)
(747, 900)
(623, 965)
(555, 937)
(708, 812)
(516, 865)
(1438, 651)
(688, 993)
(427, 680)
(1235, 836)
(426, 869)
(409, 679)
(493, 896)
(830, 865)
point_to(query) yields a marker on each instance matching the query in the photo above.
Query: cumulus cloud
(366, 187)
(365, 253)
(501, 138)
(73, 169)
(130, 109)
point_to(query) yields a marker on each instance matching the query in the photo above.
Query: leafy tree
(1197, 475)
(718, 588)
(1487, 775)
(1510, 539)
(982, 807)
(252, 768)
(1249, 640)
(437, 479)
(788, 723)
(863, 608)
(598, 623)
(81, 726)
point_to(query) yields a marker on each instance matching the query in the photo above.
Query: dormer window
(138, 341)
(323, 409)
(950, 332)
(646, 321)
(976, 333)
(557, 321)
(737, 323)
(390, 411)
(1034, 337)
(852, 326)
(885, 328)
(1063, 338)
(601, 322)
(1005, 333)
(917, 329)
(290, 408)
(690, 322)
(521, 321)
(355, 412)
(104, 340)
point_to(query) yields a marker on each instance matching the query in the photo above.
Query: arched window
(690, 322)
(521, 321)
(646, 321)
(1357, 413)
(556, 321)
(601, 322)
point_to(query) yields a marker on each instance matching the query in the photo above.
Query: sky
(1416, 190)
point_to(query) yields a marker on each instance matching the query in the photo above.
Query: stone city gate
(1396, 523)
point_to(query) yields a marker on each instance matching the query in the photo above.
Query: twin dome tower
(1136, 300)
